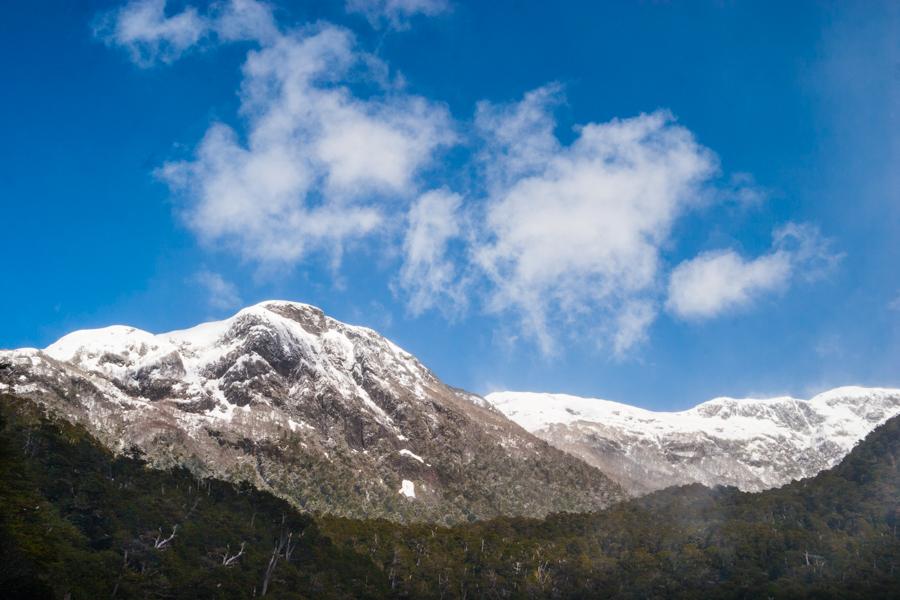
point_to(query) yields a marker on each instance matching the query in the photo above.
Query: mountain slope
(332, 417)
(751, 444)
(836, 535)
(76, 521)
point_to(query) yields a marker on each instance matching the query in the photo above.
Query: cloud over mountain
(577, 229)
(564, 235)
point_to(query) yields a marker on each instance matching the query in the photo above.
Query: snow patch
(407, 488)
(295, 425)
(406, 452)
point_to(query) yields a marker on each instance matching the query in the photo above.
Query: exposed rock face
(332, 417)
(751, 444)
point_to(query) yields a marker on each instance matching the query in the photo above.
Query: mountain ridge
(753, 444)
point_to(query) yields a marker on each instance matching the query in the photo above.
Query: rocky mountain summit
(752, 444)
(332, 417)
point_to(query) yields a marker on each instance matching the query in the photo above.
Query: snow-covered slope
(332, 417)
(753, 444)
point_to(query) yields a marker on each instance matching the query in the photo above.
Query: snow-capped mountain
(752, 444)
(335, 418)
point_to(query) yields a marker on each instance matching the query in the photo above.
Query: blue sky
(655, 203)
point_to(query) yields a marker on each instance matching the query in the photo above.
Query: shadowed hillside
(76, 520)
(832, 536)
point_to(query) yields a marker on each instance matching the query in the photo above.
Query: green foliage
(74, 519)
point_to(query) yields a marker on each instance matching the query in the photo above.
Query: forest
(77, 521)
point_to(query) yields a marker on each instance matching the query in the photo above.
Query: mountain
(331, 417)
(77, 521)
(832, 536)
(747, 443)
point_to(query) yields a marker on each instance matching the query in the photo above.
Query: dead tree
(228, 560)
(542, 573)
(283, 548)
(160, 543)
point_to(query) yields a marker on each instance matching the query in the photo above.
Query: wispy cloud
(895, 303)
(221, 294)
(428, 275)
(150, 34)
(631, 324)
(743, 191)
(396, 13)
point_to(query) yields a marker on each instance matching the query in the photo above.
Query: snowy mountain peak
(205, 363)
(751, 443)
(330, 416)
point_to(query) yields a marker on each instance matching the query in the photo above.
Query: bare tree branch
(227, 560)
(159, 543)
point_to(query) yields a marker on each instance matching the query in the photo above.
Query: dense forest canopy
(77, 521)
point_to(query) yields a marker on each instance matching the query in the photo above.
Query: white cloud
(244, 20)
(315, 159)
(720, 281)
(575, 231)
(567, 238)
(428, 275)
(221, 294)
(150, 35)
(715, 282)
(395, 13)
(143, 28)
